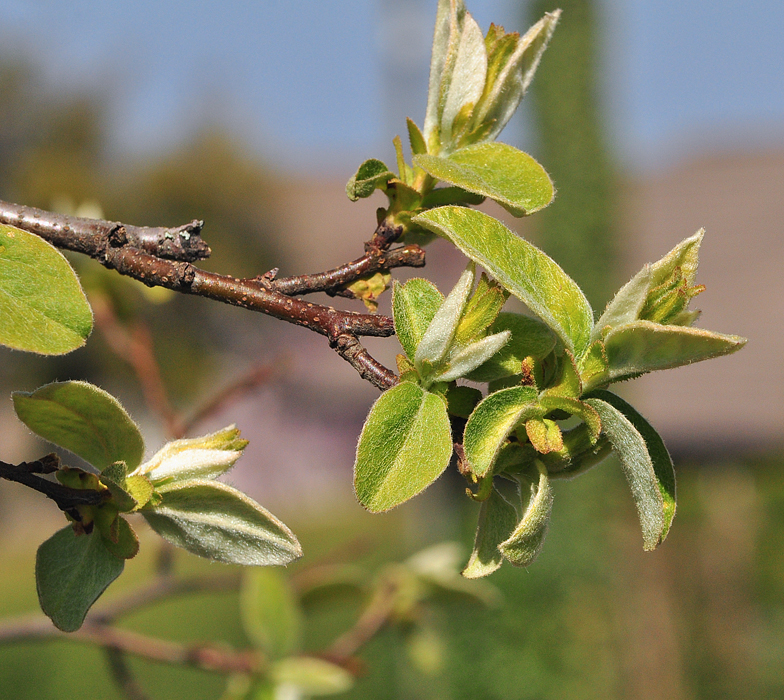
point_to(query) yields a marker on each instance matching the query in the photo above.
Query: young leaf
(481, 310)
(495, 170)
(83, 419)
(205, 457)
(213, 520)
(71, 572)
(530, 338)
(126, 545)
(544, 434)
(271, 615)
(310, 677)
(371, 175)
(413, 306)
(660, 457)
(523, 269)
(405, 444)
(645, 346)
(42, 306)
(468, 359)
(639, 470)
(525, 543)
(492, 421)
(415, 138)
(497, 520)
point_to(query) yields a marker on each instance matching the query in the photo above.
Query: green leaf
(523, 269)
(574, 407)
(371, 175)
(311, 676)
(125, 544)
(638, 468)
(481, 311)
(660, 457)
(213, 520)
(415, 138)
(271, 615)
(42, 306)
(468, 359)
(495, 170)
(441, 196)
(405, 445)
(413, 306)
(439, 335)
(114, 477)
(525, 543)
(71, 572)
(530, 338)
(461, 400)
(497, 520)
(205, 457)
(544, 434)
(83, 419)
(492, 421)
(645, 346)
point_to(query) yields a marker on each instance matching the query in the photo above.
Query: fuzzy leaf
(405, 445)
(626, 305)
(126, 545)
(205, 457)
(544, 434)
(468, 359)
(413, 305)
(42, 306)
(213, 520)
(497, 520)
(310, 676)
(371, 175)
(71, 572)
(415, 138)
(492, 421)
(83, 419)
(638, 468)
(441, 331)
(523, 269)
(495, 170)
(525, 543)
(271, 615)
(645, 346)
(530, 338)
(660, 457)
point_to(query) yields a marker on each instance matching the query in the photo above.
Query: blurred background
(654, 119)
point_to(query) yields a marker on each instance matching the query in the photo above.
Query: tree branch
(125, 249)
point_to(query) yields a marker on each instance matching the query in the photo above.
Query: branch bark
(162, 257)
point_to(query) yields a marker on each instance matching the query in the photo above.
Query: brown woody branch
(161, 257)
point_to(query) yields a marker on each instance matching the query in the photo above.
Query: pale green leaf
(214, 520)
(544, 434)
(42, 306)
(660, 457)
(644, 346)
(371, 175)
(503, 94)
(685, 256)
(497, 520)
(530, 338)
(522, 268)
(311, 676)
(271, 615)
(495, 170)
(415, 137)
(638, 468)
(441, 331)
(405, 445)
(492, 421)
(413, 306)
(626, 305)
(525, 543)
(468, 359)
(83, 419)
(467, 82)
(71, 572)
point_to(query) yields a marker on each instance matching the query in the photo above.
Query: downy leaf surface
(497, 520)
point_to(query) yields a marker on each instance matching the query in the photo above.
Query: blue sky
(308, 81)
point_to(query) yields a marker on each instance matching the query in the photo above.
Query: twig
(66, 498)
(256, 376)
(109, 244)
(123, 676)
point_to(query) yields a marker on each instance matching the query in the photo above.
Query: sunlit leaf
(371, 175)
(492, 421)
(42, 306)
(525, 543)
(83, 419)
(311, 676)
(497, 520)
(495, 170)
(413, 305)
(213, 520)
(405, 445)
(71, 572)
(522, 268)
